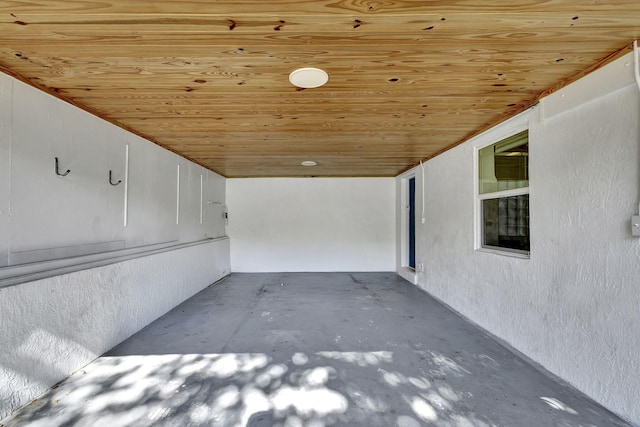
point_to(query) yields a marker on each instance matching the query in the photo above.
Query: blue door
(412, 223)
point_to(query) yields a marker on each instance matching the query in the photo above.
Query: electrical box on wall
(635, 225)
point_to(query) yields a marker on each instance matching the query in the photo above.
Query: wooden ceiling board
(408, 79)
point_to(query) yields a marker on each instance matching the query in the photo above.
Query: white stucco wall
(573, 306)
(52, 327)
(311, 224)
(52, 324)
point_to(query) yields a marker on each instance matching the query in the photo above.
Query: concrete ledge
(10, 276)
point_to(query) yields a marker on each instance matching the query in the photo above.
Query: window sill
(505, 252)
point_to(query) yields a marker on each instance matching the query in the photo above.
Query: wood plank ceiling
(408, 79)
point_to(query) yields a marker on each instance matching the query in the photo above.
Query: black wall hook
(111, 181)
(58, 170)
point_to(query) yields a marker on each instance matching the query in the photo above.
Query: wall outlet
(420, 267)
(635, 225)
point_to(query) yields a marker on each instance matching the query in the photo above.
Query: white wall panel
(44, 216)
(312, 224)
(50, 211)
(189, 215)
(152, 194)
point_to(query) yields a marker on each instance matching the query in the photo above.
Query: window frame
(505, 130)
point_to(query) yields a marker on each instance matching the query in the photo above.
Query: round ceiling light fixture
(308, 78)
(308, 163)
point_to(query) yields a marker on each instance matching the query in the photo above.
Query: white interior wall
(52, 324)
(53, 217)
(573, 306)
(311, 224)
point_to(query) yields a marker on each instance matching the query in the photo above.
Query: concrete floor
(311, 349)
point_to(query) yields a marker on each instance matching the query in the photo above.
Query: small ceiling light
(308, 77)
(308, 163)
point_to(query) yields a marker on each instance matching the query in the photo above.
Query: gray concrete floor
(311, 349)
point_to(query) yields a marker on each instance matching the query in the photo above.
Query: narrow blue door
(412, 223)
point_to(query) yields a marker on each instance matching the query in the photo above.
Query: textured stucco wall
(311, 224)
(53, 327)
(588, 160)
(573, 306)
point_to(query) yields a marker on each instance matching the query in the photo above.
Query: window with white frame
(503, 193)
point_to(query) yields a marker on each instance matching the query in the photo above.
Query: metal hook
(58, 170)
(111, 181)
